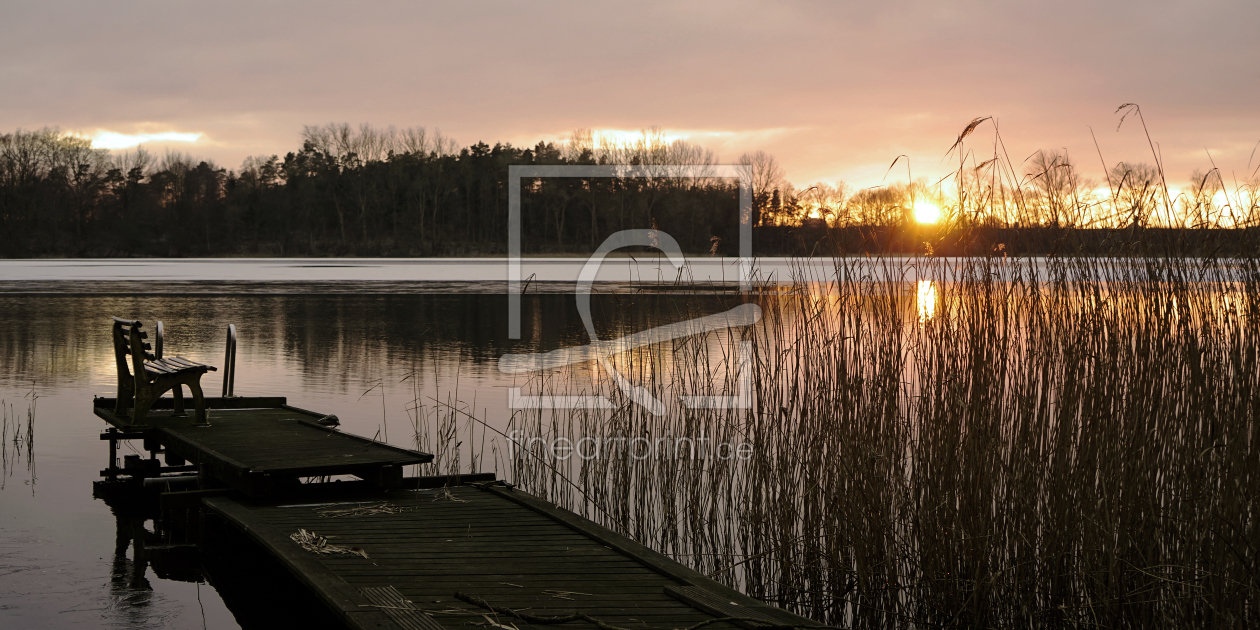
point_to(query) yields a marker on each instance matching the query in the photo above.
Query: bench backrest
(127, 339)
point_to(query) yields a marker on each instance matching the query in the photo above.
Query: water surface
(379, 352)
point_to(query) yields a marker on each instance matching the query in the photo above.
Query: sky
(834, 90)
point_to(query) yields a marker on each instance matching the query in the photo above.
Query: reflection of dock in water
(384, 551)
(258, 591)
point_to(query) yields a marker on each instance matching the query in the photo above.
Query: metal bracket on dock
(136, 466)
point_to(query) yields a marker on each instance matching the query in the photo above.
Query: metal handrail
(157, 343)
(229, 362)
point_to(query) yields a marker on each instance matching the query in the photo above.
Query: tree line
(347, 191)
(369, 191)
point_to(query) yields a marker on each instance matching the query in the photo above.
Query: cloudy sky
(835, 90)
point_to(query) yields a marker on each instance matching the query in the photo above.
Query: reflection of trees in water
(340, 341)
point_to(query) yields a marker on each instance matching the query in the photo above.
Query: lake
(354, 338)
(894, 409)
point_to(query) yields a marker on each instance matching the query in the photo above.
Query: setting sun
(926, 212)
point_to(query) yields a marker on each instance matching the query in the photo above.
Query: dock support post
(113, 456)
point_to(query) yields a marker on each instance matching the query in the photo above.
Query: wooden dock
(436, 559)
(411, 553)
(255, 444)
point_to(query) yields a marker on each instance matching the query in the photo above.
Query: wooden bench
(149, 375)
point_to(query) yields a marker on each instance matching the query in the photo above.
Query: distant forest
(388, 192)
(346, 192)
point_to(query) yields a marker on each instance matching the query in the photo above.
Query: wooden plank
(449, 542)
(611, 591)
(432, 524)
(157, 368)
(746, 617)
(488, 565)
(405, 541)
(466, 545)
(398, 608)
(345, 601)
(648, 557)
(436, 556)
(358, 438)
(528, 564)
(360, 491)
(436, 502)
(185, 363)
(217, 403)
(190, 449)
(251, 454)
(667, 609)
(424, 483)
(186, 498)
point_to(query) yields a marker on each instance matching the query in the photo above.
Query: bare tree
(128, 162)
(580, 146)
(1138, 193)
(369, 144)
(760, 171)
(826, 202)
(1057, 193)
(879, 206)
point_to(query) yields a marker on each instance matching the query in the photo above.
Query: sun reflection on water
(927, 300)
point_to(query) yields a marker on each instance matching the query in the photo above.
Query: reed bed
(968, 443)
(977, 442)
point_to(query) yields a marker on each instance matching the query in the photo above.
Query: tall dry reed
(1009, 442)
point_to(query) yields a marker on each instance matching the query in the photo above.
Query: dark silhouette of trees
(347, 191)
(407, 192)
(763, 175)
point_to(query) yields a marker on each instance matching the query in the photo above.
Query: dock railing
(229, 363)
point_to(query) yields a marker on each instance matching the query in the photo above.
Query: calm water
(378, 343)
(332, 339)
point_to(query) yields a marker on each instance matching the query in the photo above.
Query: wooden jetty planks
(250, 451)
(484, 544)
(656, 561)
(398, 608)
(252, 444)
(103, 407)
(351, 606)
(286, 446)
(416, 557)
